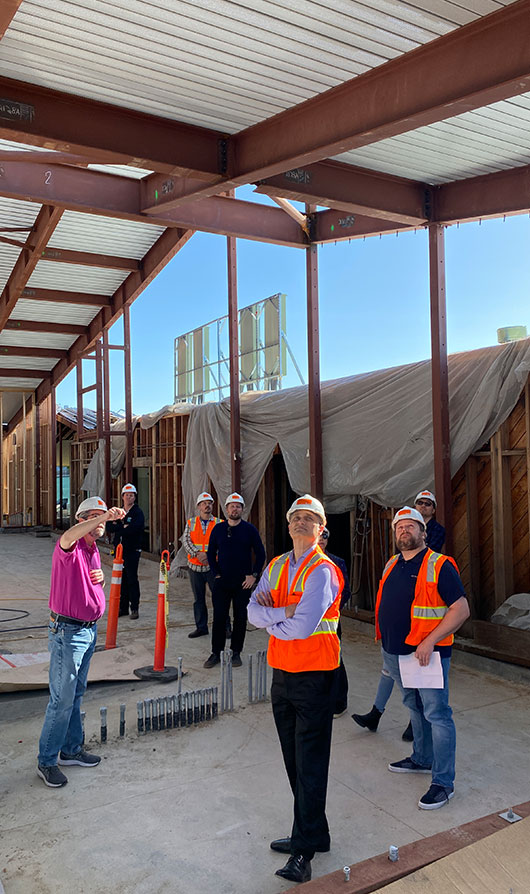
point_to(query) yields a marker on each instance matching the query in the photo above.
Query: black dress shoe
(195, 633)
(283, 846)
(297, 869)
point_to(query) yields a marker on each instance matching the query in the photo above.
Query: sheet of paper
(413, 676)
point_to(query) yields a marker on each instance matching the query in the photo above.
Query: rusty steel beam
(10, 373)
(113, 196)
(89, 259)
(336, 226)
(107, 134)
(8, 10)
(440, 383)
(47, 219)
(63, 297)
(19, 351)
(127, 380)
(233, 340)
(313, 368)
(490, 195)
(481, 63)
(352, 189)
(44, 326)
(164, 249)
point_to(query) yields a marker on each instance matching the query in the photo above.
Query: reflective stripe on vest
(426, 611)
(328, 626)
(198, 537)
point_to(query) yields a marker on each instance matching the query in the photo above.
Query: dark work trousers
(303, 705)
(198, 581)
(130, 588)
(341, 701)
(222, 595)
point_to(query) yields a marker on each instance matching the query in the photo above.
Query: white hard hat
(129, 489)
(234, 498)
(204, 496)
(426, 495)
(89, 504)
(310, 503)
(408, 514)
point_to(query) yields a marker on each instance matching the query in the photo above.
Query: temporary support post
(313, 354)
(24, 457)
(440, 384)
(60, 432)
(235, 417)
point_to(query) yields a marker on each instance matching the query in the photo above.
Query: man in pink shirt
(77, 601)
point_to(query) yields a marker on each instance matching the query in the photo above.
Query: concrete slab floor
(193, 810)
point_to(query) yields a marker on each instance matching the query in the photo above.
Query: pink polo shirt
(72, 593)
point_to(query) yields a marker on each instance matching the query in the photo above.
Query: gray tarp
(376, 429)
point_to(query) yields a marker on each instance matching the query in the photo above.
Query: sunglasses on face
(423, 503)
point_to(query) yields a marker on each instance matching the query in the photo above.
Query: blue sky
(374, 301)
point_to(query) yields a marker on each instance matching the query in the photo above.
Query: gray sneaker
(407, 765)
(52, 776)
(81, 759)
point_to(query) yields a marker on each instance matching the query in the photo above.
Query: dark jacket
(435, 535)
(346, 593)
(129, 531)
(230, 552)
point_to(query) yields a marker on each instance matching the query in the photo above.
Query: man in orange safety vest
(195, 541)
(298, 601)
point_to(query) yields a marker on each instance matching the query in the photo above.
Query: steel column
(1, 460)
(52, 490)
(128, 393)
(60, 477)
(233, 335)
(313, 356)
(440, 383)
(38, 461)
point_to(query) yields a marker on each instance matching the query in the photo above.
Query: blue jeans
(432, 724)
(71, 647)
(384, 690)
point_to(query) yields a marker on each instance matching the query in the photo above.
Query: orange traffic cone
(158, 671)
(114, 599)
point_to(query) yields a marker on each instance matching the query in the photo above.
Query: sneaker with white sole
(407, 765)
(81, 759)
(436, 797)
(52, 776)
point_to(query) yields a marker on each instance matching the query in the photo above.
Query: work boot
(236, 660)
(134, 616)
(212, 660)
(369, 721)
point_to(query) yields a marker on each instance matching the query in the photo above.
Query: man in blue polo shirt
(420, 604)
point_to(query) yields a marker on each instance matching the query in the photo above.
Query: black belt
(64, 619)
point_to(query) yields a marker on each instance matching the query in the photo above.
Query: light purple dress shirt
(320, 591)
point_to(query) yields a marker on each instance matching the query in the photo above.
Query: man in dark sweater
(341, 701)
(230, 558)
(425, 503)
(129, 533)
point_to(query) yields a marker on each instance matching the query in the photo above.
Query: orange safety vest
(200, 538)
(428, 608)
(320, 650)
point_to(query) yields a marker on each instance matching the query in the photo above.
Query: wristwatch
(255, 574)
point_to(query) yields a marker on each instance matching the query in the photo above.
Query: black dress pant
(130, 588)
(302, 705)
(223, 595)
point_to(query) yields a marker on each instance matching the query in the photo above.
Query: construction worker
(298, 601)
(77, 601)
(195, 540)
(420, 604)
(341, 703)
(235, 572)
(425, 503)
(129, 533)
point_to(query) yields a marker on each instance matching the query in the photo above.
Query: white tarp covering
(376, 429)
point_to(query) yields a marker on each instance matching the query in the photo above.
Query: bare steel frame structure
(83, 163)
